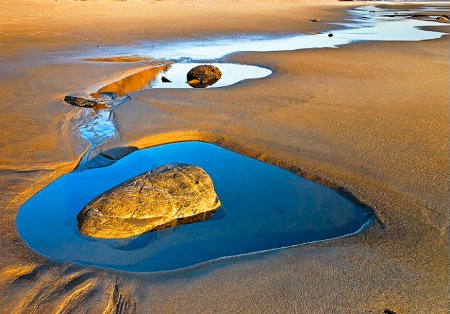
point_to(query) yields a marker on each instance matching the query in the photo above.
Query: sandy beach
(370, 120)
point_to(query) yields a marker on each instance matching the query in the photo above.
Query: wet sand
(369, 119)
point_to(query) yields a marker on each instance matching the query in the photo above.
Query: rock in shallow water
(203, 76)
(152, 199)
(95, 100)
(80, 102)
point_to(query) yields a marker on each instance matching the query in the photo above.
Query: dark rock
(330, 35)
(418, 15)
(203, 75)
(165, 80)
(80, 102)
(316, 20)
(161, 197)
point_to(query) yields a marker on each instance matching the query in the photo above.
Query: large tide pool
(264, 207)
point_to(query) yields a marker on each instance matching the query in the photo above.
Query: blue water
(263, 207)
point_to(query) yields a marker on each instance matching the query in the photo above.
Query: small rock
(316, 20)
(153, 199)
(418, 15)
(80, 102)
(203, 75)
(165, 80)
(442, 18)
(330, 35)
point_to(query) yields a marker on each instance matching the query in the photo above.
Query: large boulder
(203, 75)
(159, 197)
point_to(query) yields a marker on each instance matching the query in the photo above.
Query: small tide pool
(263, 208)
(175, 77)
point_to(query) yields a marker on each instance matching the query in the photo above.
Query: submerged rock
(153, 199)
(203, 75)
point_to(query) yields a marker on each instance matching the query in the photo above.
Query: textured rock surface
(152, 199)
(203, 75)
(80, 102)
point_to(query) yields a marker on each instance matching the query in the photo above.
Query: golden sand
(370, 119)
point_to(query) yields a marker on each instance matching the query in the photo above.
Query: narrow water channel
(365, 23)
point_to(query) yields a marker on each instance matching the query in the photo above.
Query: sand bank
(370, 119)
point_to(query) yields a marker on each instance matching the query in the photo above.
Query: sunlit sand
(368, 119)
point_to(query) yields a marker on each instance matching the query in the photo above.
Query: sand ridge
(370, 119)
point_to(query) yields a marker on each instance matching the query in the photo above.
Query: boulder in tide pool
(203, 75)
(148, 201)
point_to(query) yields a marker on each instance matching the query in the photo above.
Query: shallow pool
(232, 73)
(263, 208)
(365, 23)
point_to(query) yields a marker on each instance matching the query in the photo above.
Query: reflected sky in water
(263, 207)
(231, 74)
(367, 23)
